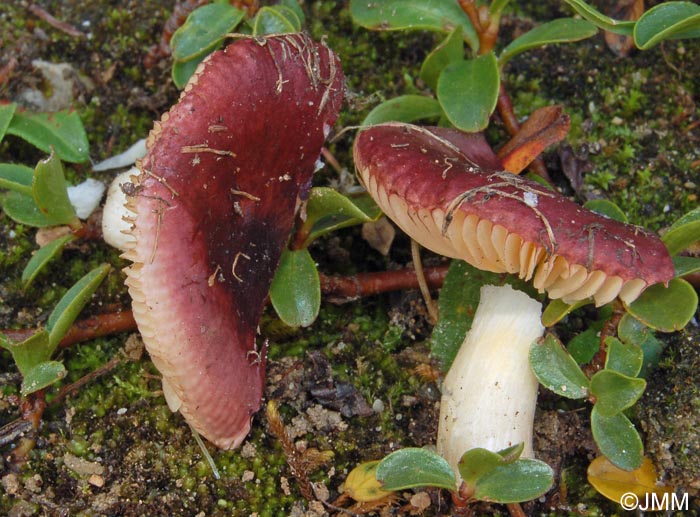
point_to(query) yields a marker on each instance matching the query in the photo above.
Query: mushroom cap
(211, 212)
(439, 191)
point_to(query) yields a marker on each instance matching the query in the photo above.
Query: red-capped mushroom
(447, 191)
(211, 212)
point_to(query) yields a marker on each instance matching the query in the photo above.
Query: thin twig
(422, 283)
(42, 13)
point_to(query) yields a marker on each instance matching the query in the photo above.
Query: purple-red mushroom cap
(448, 192)
(212, 210)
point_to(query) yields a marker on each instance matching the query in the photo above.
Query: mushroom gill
(211, 211)
(450, 195)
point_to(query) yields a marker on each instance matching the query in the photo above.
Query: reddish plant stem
(609, 329)
(342, 289)
(42, 13)
(338, 289)
(84, 330)
(505, 110)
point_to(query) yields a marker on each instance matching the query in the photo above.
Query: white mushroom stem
(115, 228)
(489, 394)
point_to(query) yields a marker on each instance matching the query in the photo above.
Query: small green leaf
(204, 30)
(684, 232)
(617, 439)
(557, 370)
(584, 345)
(561, 30)
(521, 480)
(16, 177)
(42, 375)
(435, 15)
(449, 51)
(607, 208)
(468, 92)
(295, 292)
(625, 358)
(30, 352)
(50, 192)
(615, 392)
(275, 20)
(556, 310)
(457, 304)
(414, 467)
(667, 309)
(405, 108)
(22, 209)
(497, 7)
(7, 111)
(42, 257)
(670, 20)
(477, 462)
(512, 453)
(296, 8)
(183, 70)
(606, 23)
(634, 332)
(328, 210)
(686, 265)
(62, 130)
(70, 305)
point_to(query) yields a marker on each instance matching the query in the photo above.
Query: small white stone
(530, 199)
(378, 406)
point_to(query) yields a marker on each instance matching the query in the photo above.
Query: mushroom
(210, 213)
(447, 190)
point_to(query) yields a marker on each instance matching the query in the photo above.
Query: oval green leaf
(42, 257)
(414, 467)
(16, 177)
(561, 30)
(557, 370)
(183, 70)
(615, 392)
(30, 352)
(405, 108)
(622, 357)
(684, 232)
(667, 309)
(42, 375)
(7, 111)
(519, 481)
(475, 463)
(633, 332)
(686, 265)
(50, 192)
(607, 208)
(468, 92)
(276, 19)
(70, 305)
(205, 28)
(556, 310)
(435, 15)
(22, 209)
(62, 130)
(583, 346)
(670, 20)
(328, 210)
(617, 439)
(295, 292)
(296, 9)
(449, 51)
(606, 23)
